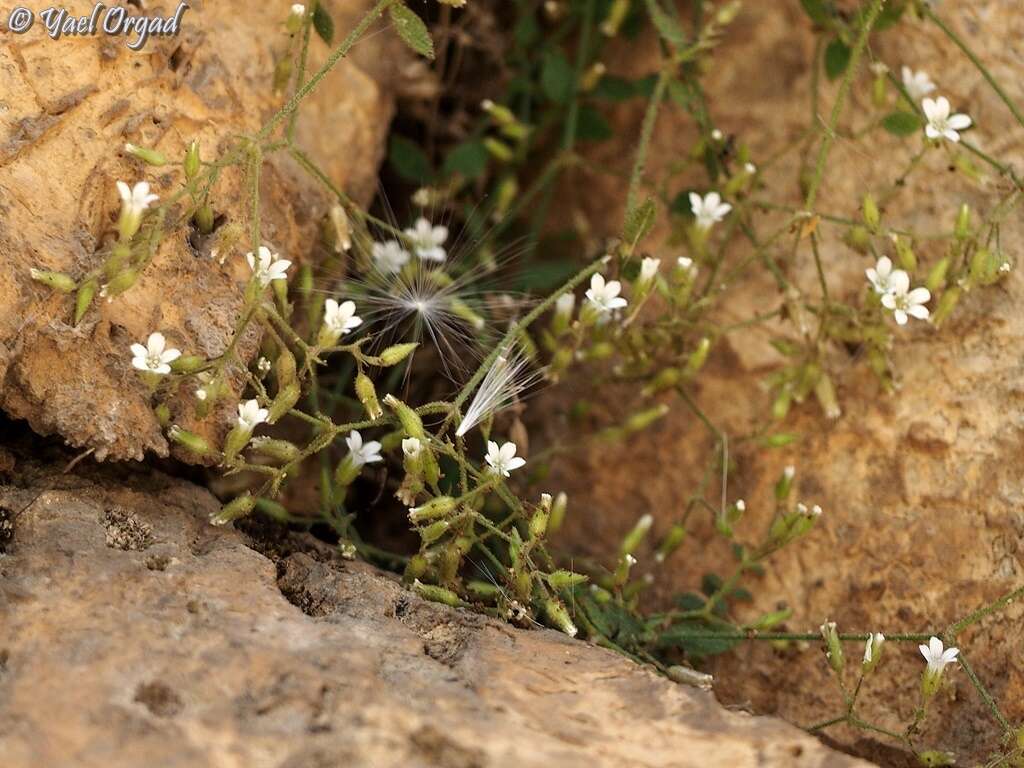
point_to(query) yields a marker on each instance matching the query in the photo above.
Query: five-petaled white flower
(341, 318)
(362, 453)
(411, 447)
(648, 269)
(298, 9)
(390, 256)
(503, 460)
(936, 657)
(902, 301)
(250, 415)
(135, 200)
(268, 267)
(604, 296)
(881, 275)
(873, 647)
(155, 357)
(428, 239)
(708, 209)
(940, 123)
(918, 84)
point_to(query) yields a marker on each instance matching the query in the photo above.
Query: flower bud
(498, 149)
(825, 391)
(871, 215)
(784, 484)
(947, 302)
(465, 312)
(556, 612)
(698, 357)
(238, 507)
(148, 156)
(236, 440)
(937, 276)
(558, 510)
(962, 228)
(541, 516)
(367, 395)
(904, 253)
(204, 220)
(562, 579)
(643, 419)
(286, 399)
(617, 13)
(666, 378)
(416, 567)
(296, 16)
(409, 419)
(188, 364)
(673, 539)
(396, 354)
(621, 574)
(834, 652)
(192, 160)
(434, 531)
(189, 440)
(163, 414)
(281, 450)
(282, 73)
(592, 76)
(633, 539)
(436, 594)
(56, 280)
(433, 509)
(872, 652)
(120, 284)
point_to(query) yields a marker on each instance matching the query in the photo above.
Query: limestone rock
(67, 107)
(921, 489)
(133, 633)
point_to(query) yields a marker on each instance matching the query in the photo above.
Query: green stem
(646, 132)
(837, 107)
(975, 61)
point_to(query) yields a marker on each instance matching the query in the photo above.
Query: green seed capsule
(367, 395)
(56, 280)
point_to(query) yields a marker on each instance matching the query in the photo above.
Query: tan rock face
(921, 490)
(67, 107)
(133, 633)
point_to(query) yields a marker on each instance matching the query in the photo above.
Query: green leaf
(689, 601)
(612, 88)
(666, 25)
(818, 10)
(837, 58)
(901, 123)
(556, 77)
(889, 15)
(408, 160)
(710, 583)
(323, 23)
(412, 30)
(639, 222)
(591, 125)
(468, 158)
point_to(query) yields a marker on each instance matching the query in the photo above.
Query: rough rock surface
(921, 489)
(133, 633)
(67, 107)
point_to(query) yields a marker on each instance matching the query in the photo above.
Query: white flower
(685, 263)
(250, 415)
(390, 257)
(154, 357)
(263, 365)
(502, 460)
(604, 296)
(936, 657)
(339, 319)
(902, 301)
(428, 239)
(941, 124)
(411, 447)
(565, 304)
(873, 646)
(708, 209)
(268, 267)
(918, 84)
(814, 511)
(648, 269)
(135, 200)
(362, 453)
(881, 275)
(298, 9)
(789, 471)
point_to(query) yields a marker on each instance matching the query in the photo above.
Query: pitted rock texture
(67, 107)
(189, 648)
(921, 489)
